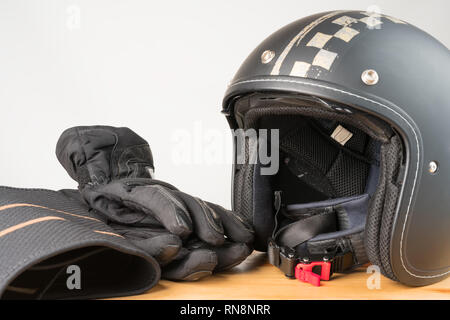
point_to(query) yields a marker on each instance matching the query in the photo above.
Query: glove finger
(193, 266)
(229, 255)
(207, 224)
(163, 206)
(157, 242)
(236, 228)
(131, 204)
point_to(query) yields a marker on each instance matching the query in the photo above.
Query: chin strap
(309, 268)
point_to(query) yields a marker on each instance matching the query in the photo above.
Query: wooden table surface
(255, 278)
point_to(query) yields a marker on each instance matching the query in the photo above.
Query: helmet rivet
(267, 56)
(370, 77)
(432, 167)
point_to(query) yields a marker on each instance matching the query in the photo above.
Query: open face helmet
(359, 108)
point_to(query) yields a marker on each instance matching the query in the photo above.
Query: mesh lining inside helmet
(316, 159)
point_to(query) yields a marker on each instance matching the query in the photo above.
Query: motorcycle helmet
(361, 112)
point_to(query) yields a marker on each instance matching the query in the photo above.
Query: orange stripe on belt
(16, 205)
(109, 233)
(26, 224)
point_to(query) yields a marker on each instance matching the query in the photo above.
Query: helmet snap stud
(267, 56)
(432, 167)
(370, 77)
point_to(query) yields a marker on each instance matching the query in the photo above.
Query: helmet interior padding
(355, 179)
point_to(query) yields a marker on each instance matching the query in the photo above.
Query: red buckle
(303, 272)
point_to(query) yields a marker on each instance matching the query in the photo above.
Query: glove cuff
(99, 154)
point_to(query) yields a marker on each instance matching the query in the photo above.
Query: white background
(155, 66)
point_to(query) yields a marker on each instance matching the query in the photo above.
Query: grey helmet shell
(325, 55)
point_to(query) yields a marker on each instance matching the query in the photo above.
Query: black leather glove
(191, 238)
